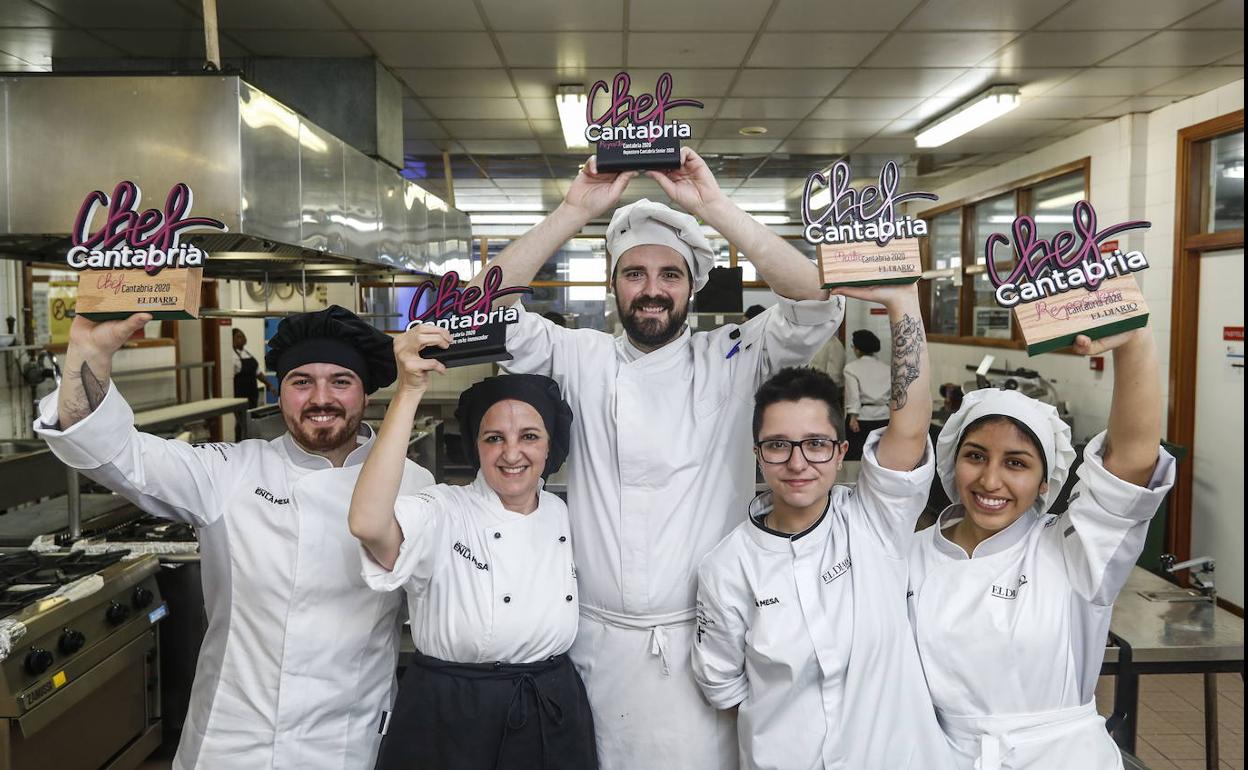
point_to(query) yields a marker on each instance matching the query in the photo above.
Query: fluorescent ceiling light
(1233, 172)
(988, 106)
(571, 102)
(506, 219)
(762, 206)
(1061, 201)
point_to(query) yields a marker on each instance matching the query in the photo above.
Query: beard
(653, 332)
(325, 439)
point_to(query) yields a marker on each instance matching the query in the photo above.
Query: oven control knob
(38, 661)
(117, 613)
(141, 598)
(71, 641)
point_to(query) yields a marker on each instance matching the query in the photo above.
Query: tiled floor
(1171, 733)
(1171, 721)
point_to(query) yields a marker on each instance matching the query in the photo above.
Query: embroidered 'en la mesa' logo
(265, 494)
(767, 602)
(466, 552)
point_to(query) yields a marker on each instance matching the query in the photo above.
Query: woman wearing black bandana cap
(489, 576)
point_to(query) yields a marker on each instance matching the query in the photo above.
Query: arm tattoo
(92, 387)
(907, 346)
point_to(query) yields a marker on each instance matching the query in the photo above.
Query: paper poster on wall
(62, 296)
(1233, 361)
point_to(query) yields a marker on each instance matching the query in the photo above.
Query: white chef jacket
(484, 584)
(809, 633)
(1012, 640)
(868, 387)
(297, 663)
(660, 470)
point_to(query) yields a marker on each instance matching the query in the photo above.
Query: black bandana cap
(539, 392)
(337, 336)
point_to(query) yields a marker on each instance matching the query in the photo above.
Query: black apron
(245, 383)
(490, 716)
(858, 440)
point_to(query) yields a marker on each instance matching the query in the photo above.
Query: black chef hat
(334, 335)
(538, 391)
(866, 341)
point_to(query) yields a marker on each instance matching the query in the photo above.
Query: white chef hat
(646, 222)
(1040, 418)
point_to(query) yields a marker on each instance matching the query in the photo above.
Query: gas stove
(82, 649)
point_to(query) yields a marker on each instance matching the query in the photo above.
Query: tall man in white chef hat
(660, 465)
(297, 665)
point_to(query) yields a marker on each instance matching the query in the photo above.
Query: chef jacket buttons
(563, 538)
(507, 599)
(568, 597)
(498, 535)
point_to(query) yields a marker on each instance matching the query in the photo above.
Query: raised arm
(910, 403)
(1135, 414)
(89, 364)
(784, 268)
(371, 518)
(590, 195)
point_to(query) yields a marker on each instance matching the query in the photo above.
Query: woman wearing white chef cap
(1010, 603)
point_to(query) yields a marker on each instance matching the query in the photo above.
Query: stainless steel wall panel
(69, 136)
(269, 166)
(362, 214)
(392, 227)
(322, 190)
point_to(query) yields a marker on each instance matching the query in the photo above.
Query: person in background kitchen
(297, 664)
(659, 469)
(247, 375)
(489, 577)
(831, 361)
(802, 623)
(1010, 603)
(867, 384)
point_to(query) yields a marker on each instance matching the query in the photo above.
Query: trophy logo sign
(631, 134)
(135, 262)
(478, 329)
(860, 237)
(1077, 282)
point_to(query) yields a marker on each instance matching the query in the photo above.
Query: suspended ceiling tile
(553, 15)
(937, 49)
(555, 146)
(788, 82)
(1236, 58)
(1117, 81)
(739, 146)
(451, 82)
(148, 14)
(171, 44)
(489, 129)
(541, 109)
(1180, 48)
(474, 109)
(730, 129)
(421, 147)
(884, 146)
(1006, 128)
(1133, 104)
(1111, 14)
(1227, 14)
(864, 108)
(686, 83)
(547, 128)
(24, 13)
(815, 147)
(762, 109)
(416, 15)
(413, 111)
(678, 49)
(974, 144)
(1060, 107)
(501, 146)
(976, 14)
(562, 50)
(270, 14)
(1065, 49)
(896, 82)
(1200, 81)
(40, 46)
(719, 16)
(1031, 81)
(309, 43)
(819, 15)
(423, 129)
(14, 64)
(433, 49)
(813, 49)
(543, 82)
(838, 129)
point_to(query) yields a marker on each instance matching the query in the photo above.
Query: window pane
(580, 259)
(1053, 202)
(584, 306)
(994, 215)
(1226, 183)
(990, 319)
(945, 240)
(944, 306)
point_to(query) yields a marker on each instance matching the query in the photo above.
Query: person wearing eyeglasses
(802, 623)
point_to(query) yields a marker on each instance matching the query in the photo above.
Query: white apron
(1072, 738)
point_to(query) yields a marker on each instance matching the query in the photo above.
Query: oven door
(107, 718)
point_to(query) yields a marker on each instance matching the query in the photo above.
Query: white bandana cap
(1040, 418)
(645, 223)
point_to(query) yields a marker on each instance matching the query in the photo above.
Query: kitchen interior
(356, 149)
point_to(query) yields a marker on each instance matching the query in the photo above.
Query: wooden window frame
(1190, 243)
(1021, 189)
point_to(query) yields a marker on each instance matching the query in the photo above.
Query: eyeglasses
(777, 451)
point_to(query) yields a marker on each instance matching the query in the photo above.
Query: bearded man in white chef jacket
(297, 664)
(660, 466)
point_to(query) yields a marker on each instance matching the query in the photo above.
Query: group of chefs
(666, 616)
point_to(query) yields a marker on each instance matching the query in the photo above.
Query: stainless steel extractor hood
(299, 203)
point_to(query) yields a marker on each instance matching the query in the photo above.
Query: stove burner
(28, 577)
(149, 529)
